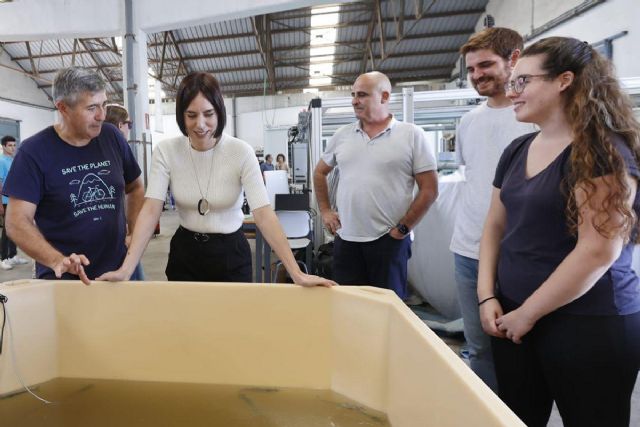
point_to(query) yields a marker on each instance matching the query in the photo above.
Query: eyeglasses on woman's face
(519, 83)
(129, 124)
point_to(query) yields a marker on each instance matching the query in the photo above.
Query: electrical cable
(7, 320)
(3, 299)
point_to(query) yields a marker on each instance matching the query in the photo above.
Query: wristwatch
(403, 229)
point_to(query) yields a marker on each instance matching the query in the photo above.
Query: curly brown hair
(597, 109)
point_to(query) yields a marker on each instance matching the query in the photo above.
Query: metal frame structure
(409, 40)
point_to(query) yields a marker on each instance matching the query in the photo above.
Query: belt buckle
(201, 237)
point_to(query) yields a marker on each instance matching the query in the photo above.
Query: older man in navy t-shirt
(68, 184)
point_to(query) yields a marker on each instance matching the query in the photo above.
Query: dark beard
(492, 90)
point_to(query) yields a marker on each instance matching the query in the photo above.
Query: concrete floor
(155, 259)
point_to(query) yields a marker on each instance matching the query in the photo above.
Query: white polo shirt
(377, 176)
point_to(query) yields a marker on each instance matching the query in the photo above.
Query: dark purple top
(79, 193)
(537, 239)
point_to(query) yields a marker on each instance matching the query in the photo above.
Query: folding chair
(297, 228)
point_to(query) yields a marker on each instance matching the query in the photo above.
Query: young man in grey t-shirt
(481, 138)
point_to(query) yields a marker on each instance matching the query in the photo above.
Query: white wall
(525, 15)
(251, 126)
(598, 23)
(251, 120)
(54, 19)
(15, 86)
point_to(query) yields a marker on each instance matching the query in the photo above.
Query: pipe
(132, 88)
(568, 15)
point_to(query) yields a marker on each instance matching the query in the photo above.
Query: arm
(592, 256)
(427, 194)
(330, 218)
(267, 222)
(23, 231)
(147, 220)
(489, 251)
(134, 192)
(3, 176)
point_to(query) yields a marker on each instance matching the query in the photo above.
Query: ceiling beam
(349, 78)
(73, 52)
(351, 24)
(420, 13)
(258, 92)
(339, 25)
(380, 27)
(304, 60)
(368, 52)
(58, 54)
(181, 62)
(34, 69)
(164, 49)
(262, 28)
(101, 69)
(352, 43)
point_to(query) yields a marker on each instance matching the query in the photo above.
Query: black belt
(205, 237)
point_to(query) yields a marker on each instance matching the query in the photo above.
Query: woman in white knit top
(207, 172)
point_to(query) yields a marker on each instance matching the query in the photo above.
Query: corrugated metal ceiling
(271, 52)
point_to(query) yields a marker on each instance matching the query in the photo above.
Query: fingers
(512, 333)
(112, 276)
(327, 283)
(83, 276)
(332, 226)
(73, 264)
(106, 277)
(308, 280)
(331, 222)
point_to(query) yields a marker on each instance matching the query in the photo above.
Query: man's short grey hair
(70, 82)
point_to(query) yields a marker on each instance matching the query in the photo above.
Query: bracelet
(485, 300)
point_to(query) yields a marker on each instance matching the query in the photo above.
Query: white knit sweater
(234, 167)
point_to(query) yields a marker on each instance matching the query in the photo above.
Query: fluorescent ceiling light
(322, 17)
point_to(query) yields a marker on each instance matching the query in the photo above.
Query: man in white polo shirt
(380, 161)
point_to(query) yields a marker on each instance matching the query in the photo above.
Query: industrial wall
(604, 20)
(21, 100)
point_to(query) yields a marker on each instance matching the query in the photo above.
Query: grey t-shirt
(377, 176)
(482, 136)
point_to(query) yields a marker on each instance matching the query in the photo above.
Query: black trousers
(381, 262)
(587, 364)
(199, 257)
(7, 247)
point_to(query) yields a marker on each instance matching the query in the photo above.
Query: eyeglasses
(521, 82)
(129, 123)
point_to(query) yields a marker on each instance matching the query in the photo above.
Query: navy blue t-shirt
(537, 238)
(79, 193)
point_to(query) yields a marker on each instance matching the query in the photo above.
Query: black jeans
(381, 263)
(7, 247)
(199, 257)
(587, 364)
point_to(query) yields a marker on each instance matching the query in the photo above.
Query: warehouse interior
(286, 70)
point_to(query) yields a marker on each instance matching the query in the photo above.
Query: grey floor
(155, 259)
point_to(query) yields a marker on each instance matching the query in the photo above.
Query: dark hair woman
(207, 172)
(556, 288)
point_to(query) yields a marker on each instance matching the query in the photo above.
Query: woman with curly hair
(556, 289)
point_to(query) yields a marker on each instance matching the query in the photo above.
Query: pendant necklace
(203, 203)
